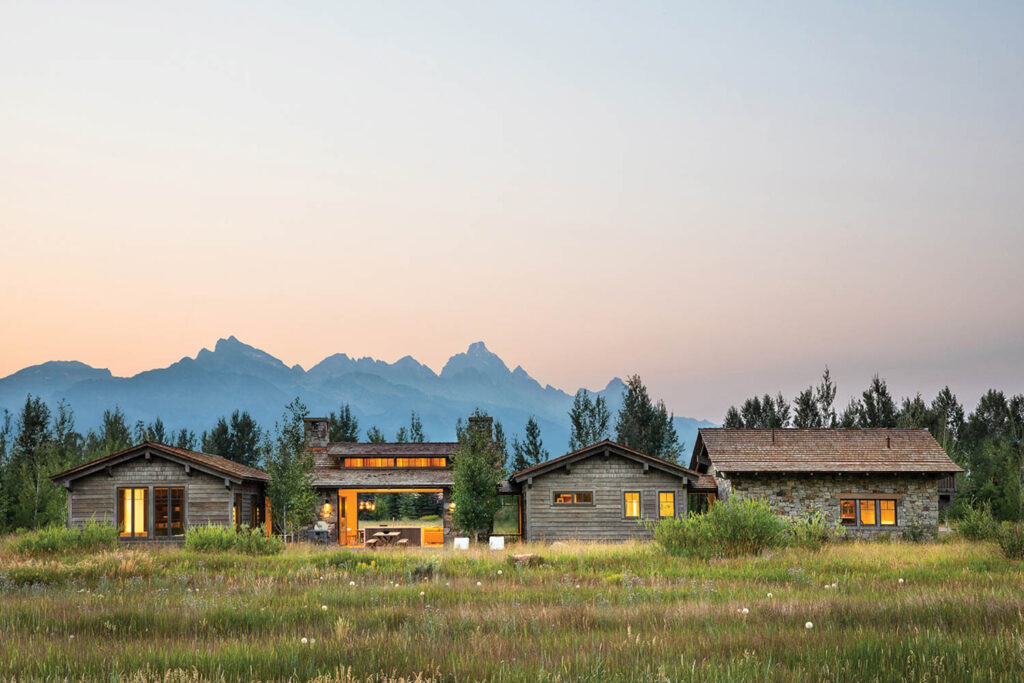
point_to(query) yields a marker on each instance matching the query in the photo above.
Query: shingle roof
(823, 450)
(705, 482)
(384, 478)
(596, 449)
(212, 462)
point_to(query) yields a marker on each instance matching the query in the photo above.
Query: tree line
(988, 442)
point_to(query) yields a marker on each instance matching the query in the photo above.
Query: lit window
(867, 512)
(574, 498)
(131, 512)
(631, 500)
(236, 511)
(887, 512)
(848, 512)
(666, 504)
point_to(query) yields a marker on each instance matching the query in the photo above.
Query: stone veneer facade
(795, 495)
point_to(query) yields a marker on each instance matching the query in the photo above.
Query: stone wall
(917, 497)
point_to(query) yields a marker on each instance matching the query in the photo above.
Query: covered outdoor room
(379, 518)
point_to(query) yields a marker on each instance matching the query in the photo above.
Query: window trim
(573, 493)
(675, 507)
(147, 511)
(639, 505)
(877, 499)
(170, 520)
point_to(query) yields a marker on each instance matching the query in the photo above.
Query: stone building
(871, 481)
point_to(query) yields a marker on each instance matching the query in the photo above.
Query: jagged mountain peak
(476, 358)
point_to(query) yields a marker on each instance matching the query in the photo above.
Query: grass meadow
(584, 613)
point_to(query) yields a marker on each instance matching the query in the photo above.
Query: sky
(722, 199)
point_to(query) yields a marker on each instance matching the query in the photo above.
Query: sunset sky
(721, 200)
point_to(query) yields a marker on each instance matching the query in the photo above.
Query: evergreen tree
(501, 445)
(878, 407)
(290, 466)
(646, 426)
(185, 439)
(31, 457)
(851, 416)
(825, 396)
(530, 451)
(156, 432)
(402, 436)
(218, 440)
(588, 420)
(752, 413)
(245, 439)
(374, 435)
(733, 418)
(807, 410)
(343, 427)
(476, 476)
(949, 419)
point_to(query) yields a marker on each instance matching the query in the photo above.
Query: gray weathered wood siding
(207, 500)
(608, 478)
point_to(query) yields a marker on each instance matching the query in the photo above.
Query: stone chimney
(316, 430)
(482, 425)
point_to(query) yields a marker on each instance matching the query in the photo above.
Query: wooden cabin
(601, 493)
(154, 492)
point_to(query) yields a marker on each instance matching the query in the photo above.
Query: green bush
(917, 531)
(1011, 540)
(812, 531)
(90, 537)
(739, 526)
(978, 524)
(217, 538)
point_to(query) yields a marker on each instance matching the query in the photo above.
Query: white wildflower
(304, 640)
(351, 583)
(746, 611)
(901, 579)
(323, 607)
(478, 583)
(770, 596)
(808, 625)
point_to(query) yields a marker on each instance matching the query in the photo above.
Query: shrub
(217, 538)
(917, 531)
(978, 524)
(739, 526)
(812, 531)
(90, 537)
(1011, 540)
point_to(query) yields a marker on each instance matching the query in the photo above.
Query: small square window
(666, 504)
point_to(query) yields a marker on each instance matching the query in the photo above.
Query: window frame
(555, 502)
(639, 505)
(147, 516)
(170, 511)
(895, 512)
(858, 501)
(855, 512)
(675, 508)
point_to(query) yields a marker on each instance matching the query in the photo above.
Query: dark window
(506, 519)
(236, 511)
(699, 503)
(168, 511)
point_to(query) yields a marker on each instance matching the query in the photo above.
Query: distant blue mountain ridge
(194, 392)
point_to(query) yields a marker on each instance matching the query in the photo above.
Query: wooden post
(269, 521)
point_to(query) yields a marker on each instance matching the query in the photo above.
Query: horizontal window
(867, 511)
(574, 498)
(394, 462)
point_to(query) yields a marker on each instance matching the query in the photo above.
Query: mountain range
(194, 392)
